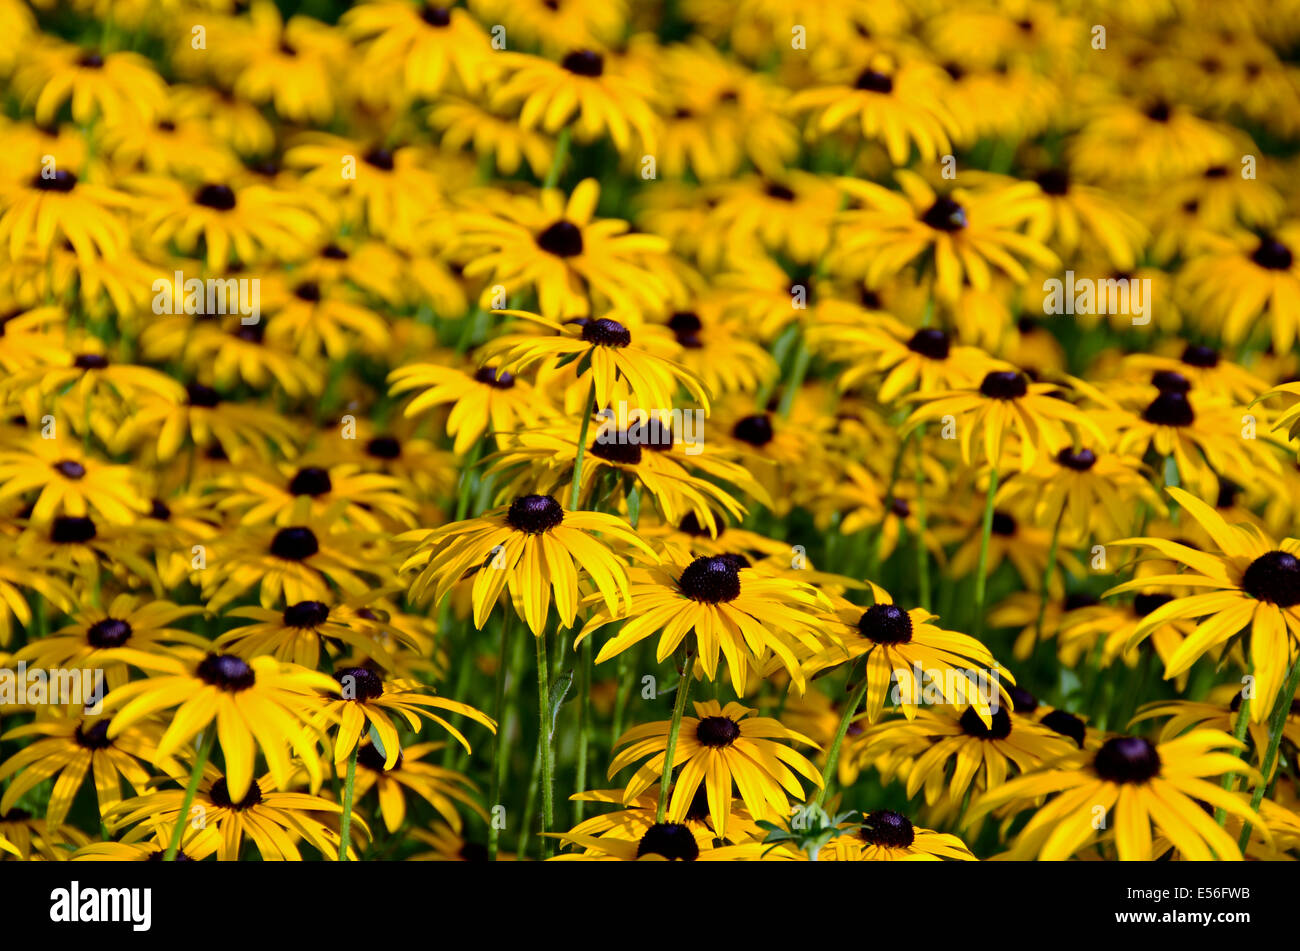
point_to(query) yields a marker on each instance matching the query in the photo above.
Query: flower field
(693, 430)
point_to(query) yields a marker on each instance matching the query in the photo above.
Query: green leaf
(559, 688)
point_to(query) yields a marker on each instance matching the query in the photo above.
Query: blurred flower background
(607, 430)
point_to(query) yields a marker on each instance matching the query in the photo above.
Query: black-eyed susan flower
(902, 106)
(67, 749)
(536, 548)
(225, 222)
(111, 86)
(301, 631)
(728, 609)
(53, 204)
(426, 48)
(969, 234)
(1244, 280)
(1143, 788)
(108, 638)
(1250, 583)
(1006, 411)
(291, 563)
(487, 400)
(270, 815)
(365, 697)
(945, 752)
(585, 90)
(260, 704)
(905, 650)
(717, 748)
(67, 481)
(557, 248)
(443, 789)
(888, 836)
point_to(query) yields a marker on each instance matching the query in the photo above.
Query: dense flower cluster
(781, 431)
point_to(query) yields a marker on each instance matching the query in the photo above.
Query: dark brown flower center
(294, 544)
(871, 81)
(220, 796)
(711, 579)
(197, 394)
(497, 379)
(108, 633)
(686, 326)
(618, 449)
(217, 197)
(60, 180)
(1272, 254)
(534, 514)
(72, 530)
(384, 447)
(584, 63)
(1196, 355)
(945, 215)
(226, 672)
(1274, 577)
(94, 738)
(672, 840)
(435, 16)
(887, 829)
(999, 727)
(1054, 181)
(380, 158)
(1022, 701)
(606, 333)
(717, 731)
(930, 342)
(886, 624)
(1145, 603)
(1170, 409)
(70, 469)
(306, 614)
(755, 430)
(359, 683)
(310, 480)
(1080, 460)
(1066, 724)
(1004, 385)
(1127, 759)
(563, 239)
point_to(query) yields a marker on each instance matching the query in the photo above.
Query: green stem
(802, 358)
(888, 499)
(575, 491)
(1276, 726)
(196, 775)
(679, 708)
(985, 533)
(922, 556)
(1048, 570)
(1239, 734)
(499, 744)
(466, 479)
(833, 757)
(349, 783)
(622, 697)
(557, 161)
(544, 737)
(584, 724)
